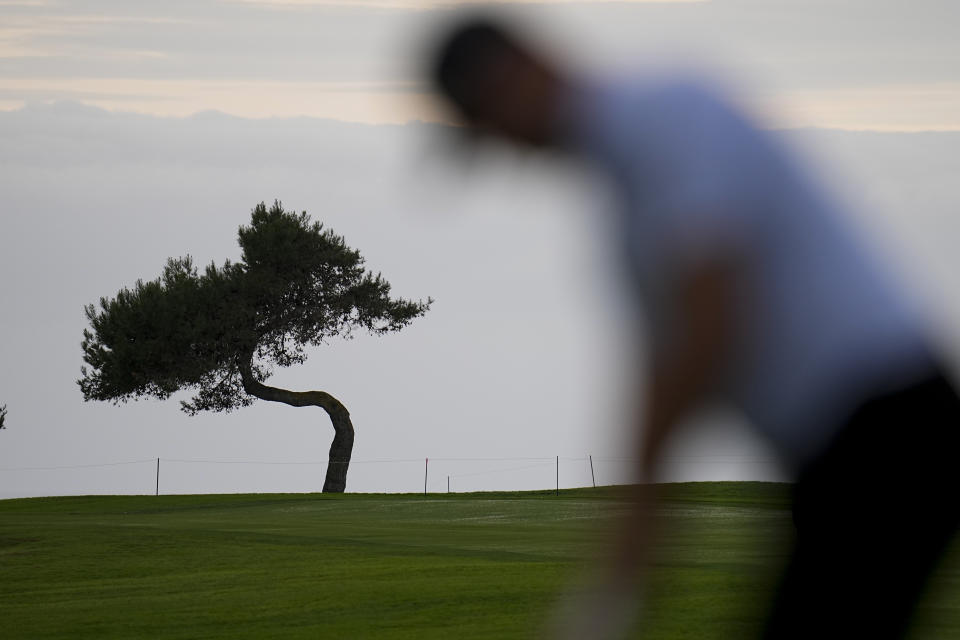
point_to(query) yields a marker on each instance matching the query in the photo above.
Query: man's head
(498, 84)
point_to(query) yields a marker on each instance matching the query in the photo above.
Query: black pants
(873, 515)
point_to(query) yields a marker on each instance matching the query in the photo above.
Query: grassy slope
(384, 566)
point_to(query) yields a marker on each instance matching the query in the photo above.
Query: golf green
(486, 565)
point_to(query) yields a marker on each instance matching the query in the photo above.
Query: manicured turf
(383, 566)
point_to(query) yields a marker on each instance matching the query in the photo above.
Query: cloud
(855, 64)
(900, 107)
(442, 4)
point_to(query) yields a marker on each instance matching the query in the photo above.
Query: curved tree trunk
(342, 446)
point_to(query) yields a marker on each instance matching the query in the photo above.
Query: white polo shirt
(819, 326)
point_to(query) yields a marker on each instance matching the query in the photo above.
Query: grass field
(384, 566)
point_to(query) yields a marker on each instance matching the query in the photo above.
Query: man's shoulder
(667, 123)
(657, 107)
(661, 88)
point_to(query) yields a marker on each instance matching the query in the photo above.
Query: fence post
(558, 475)
(426, 463)
(448, 484)
(158, 478)
(592, 477)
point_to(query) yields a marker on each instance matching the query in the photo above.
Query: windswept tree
(219, 333)
(3, 417)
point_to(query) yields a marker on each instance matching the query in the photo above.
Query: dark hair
(463, 55)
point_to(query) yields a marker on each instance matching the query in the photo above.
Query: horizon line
(38, 105)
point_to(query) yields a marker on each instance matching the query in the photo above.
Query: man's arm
(679, 378)
(678, 381)
(683, 372)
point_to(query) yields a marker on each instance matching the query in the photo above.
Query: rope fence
(374, 475)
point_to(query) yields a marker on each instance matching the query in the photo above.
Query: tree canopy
(220, 332)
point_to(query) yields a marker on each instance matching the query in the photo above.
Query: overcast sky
(137, 131)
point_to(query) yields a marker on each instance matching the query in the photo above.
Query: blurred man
(757, 294)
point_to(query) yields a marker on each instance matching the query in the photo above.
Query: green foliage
(297, 285)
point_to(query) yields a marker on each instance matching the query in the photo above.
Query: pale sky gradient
(854, 64)
(112, 161)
